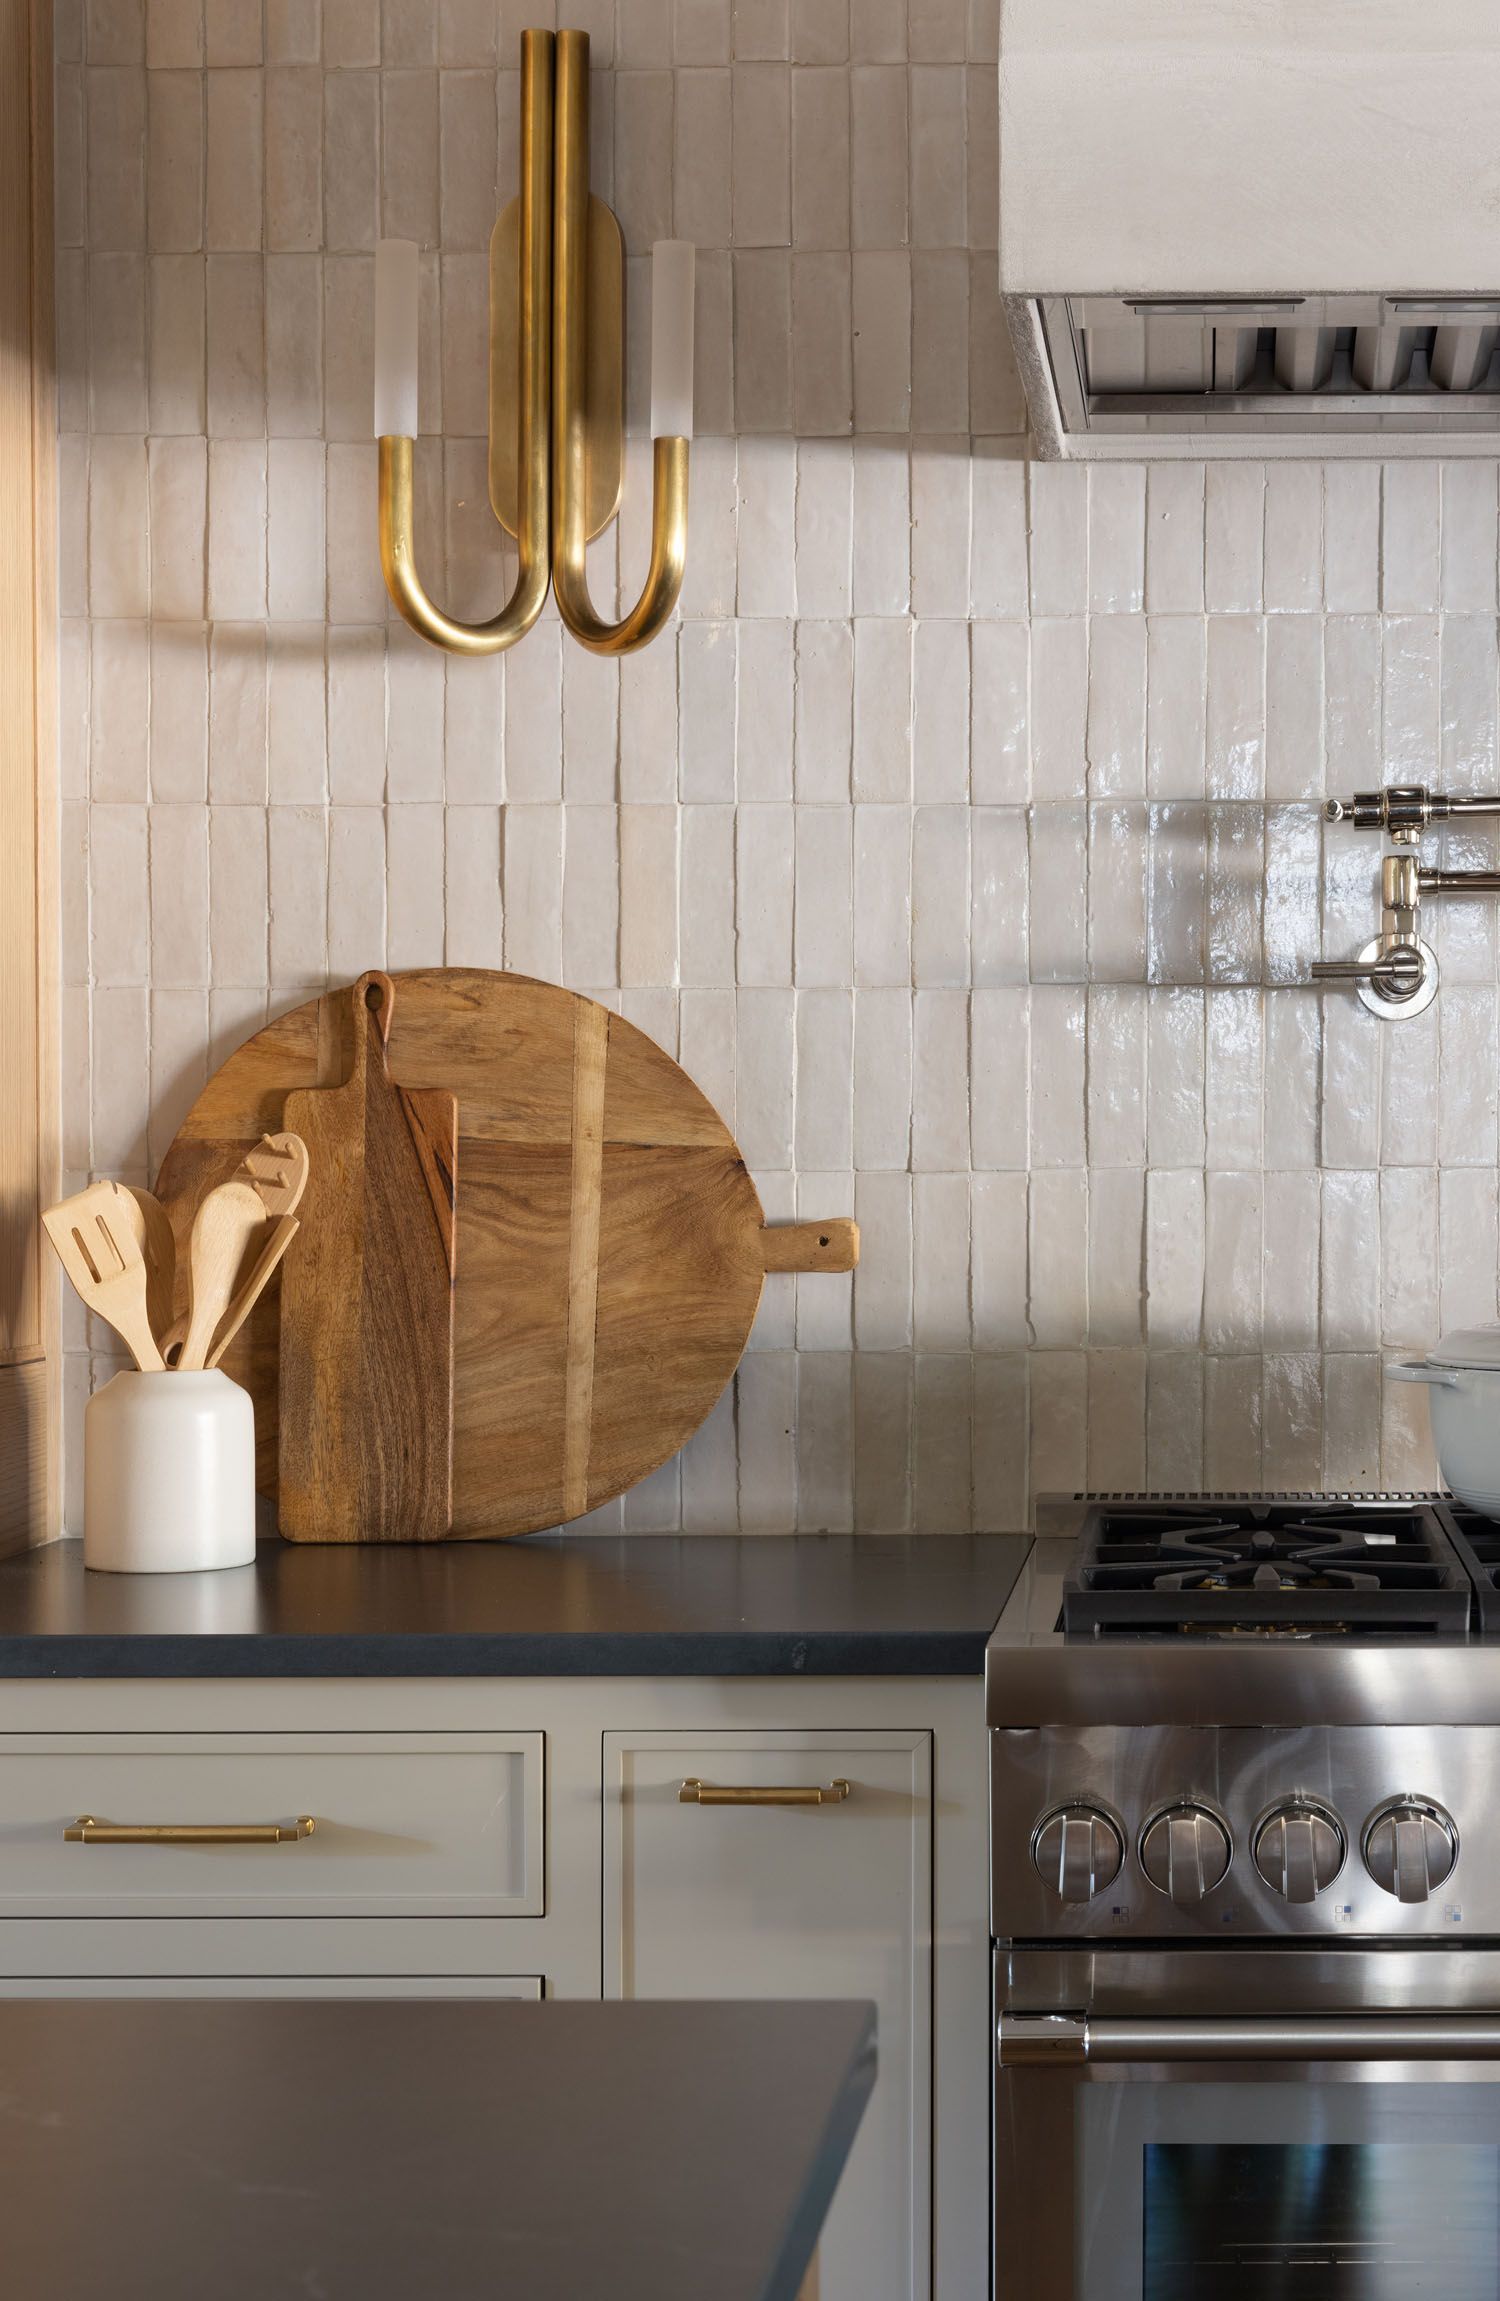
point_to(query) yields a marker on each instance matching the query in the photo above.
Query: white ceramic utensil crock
(168, 1474)
(1463, 1399)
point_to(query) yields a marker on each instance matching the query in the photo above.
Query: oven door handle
(1052, 2040)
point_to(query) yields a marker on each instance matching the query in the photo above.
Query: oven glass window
(1269, 2191)
(1373, 2220)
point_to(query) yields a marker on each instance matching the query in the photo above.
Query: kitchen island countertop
(554, 1605)
(378, 2152)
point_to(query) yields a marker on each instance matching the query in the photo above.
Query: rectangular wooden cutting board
(366, 1414)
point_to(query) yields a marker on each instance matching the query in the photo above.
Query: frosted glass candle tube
(672, 268)
(396, 339)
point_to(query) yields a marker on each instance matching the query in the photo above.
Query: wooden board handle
(811, 1245)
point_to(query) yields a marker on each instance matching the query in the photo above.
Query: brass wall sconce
(556, 400)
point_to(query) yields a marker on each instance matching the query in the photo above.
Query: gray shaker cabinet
(522, 1837)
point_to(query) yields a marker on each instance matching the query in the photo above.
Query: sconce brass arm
(570, 445)
(397, 521)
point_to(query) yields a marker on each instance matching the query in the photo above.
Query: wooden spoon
(223, 1228)
(97, 1237)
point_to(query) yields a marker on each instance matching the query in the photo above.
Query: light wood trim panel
(28, 751)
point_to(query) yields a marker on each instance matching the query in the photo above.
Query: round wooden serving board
(610, 1244)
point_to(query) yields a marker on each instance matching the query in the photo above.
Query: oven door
(1334, 2153)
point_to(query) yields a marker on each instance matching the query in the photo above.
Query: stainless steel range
(1245, 1798)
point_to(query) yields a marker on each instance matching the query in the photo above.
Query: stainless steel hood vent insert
(1288, 364)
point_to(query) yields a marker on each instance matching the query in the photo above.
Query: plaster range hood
(1253, 227)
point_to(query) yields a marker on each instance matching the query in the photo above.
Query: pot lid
(1467, 1346)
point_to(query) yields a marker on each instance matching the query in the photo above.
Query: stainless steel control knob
(1078, 1851)
(1185, 1853)
(1299, 1850)
(1411, 1846)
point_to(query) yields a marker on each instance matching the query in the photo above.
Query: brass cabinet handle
(86, 1831)
(696, 1793)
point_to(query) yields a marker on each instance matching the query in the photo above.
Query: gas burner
(1332, 1570)
(1477, 1541)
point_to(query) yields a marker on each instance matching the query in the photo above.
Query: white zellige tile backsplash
(962, 840)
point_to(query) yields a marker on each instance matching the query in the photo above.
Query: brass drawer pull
(86, 1831)
(696, 1793)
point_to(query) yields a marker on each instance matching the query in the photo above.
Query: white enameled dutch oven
(1463, 1378)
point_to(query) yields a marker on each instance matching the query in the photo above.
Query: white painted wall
(949, 844)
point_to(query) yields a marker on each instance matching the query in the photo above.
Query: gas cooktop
(1266, 1568)
(1251, 1609)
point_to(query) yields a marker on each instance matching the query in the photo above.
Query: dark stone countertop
(376, 2152)
(555, 1605)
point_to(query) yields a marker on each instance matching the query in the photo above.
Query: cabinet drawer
(438, 1825)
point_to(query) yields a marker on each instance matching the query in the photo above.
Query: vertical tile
(1059, 707)
(878, 155)
(1000, 710)
(823, 541)
(1467, 572)
(648, 894)
(234, 131)
(1410, 538)
(591, 902)
(824, 711)
(937, 176)
(1236, 714)
(824, 1105)
(1176, 705)
(1174, 539)
(1117, 538)
(883, 709)
(762, 133)
(824, 895)
(1058, 530)
(1350, 1262)
(882, 1078)
(1000, 1077)
(940, 712)
(1294, 537)
(1116, 736)
(882, 529)
(1234, 521)
(940, 472)
(940, 896)
(764, 872)
(1351, 537)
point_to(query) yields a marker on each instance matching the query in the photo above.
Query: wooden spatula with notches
(276, 1170)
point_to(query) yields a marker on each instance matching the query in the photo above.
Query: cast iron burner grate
(1477, 1541)
(1263, 1568)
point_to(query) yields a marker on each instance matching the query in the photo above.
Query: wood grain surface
(611, 1247)
(366, 1373)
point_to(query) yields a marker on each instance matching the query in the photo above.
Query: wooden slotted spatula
(365, 1428)
(97, 1238)
(223, 1229)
